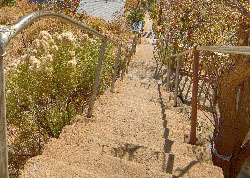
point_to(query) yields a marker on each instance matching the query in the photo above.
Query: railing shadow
(166, 167)
(185, 169)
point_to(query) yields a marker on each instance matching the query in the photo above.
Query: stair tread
(104, 165)
(107, 145)
(43, 167)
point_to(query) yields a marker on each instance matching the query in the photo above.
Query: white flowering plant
(52, 83)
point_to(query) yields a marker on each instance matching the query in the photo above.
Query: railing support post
(115, 69)
(97, 78)
(194, 98)
(168, 74)
(130, 54)
(133, 44)
(136, 36)
(176, 80)
(3, 128)
(124, 64)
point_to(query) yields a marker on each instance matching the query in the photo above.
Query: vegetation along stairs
(133, 133)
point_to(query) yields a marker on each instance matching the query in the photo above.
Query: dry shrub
(9, 15)
(131, 3)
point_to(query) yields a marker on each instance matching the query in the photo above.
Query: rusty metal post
(3, 128)
(176, 80)
(115, 69)
(194, 98)
(97, 77)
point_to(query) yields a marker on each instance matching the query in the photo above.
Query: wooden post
(140, 33)
(194, 98)
(115, 69)
(168, 74)
(124, 64)
(134, 45)
(136, 38)
(3, 128)
(130, 54)
(176, 81)
(97, 77)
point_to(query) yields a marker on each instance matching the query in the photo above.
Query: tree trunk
(233, 102)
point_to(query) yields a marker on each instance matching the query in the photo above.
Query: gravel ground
(135, 132)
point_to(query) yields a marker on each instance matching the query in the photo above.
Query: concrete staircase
(135, 133)
(98, 155)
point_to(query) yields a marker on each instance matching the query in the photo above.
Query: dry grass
(130, 3)
(9, 15)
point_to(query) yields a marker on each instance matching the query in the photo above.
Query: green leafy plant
(155, 11)
(8, 2)
(136, 14)
(50, 85)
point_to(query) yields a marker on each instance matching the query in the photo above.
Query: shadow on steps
(168, 143)
(185, 169)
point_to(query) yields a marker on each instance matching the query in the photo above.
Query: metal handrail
(226, 49)
(8, 33)
(11, 32)
(222, 49)
(245, 50)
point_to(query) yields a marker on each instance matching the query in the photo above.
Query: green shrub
(51, 84)
(155, 11)
(150, 1)
(8, 2)
(136, 14)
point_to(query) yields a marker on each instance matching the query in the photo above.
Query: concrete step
(111, 145)
(160, 159)
(143, 80)
(44, 167)
(138, 156)
(94, 153)
(148, 157)
(118, 132)
(195, 169)
(104, 165)
(127, 127)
